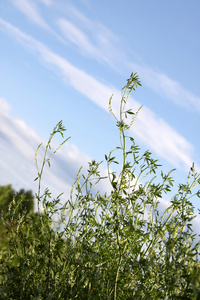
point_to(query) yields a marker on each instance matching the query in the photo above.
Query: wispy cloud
(76, 36)
(163, 139)
(167, 87)
(47, 2)
(99, 41)
(100, 44)
(151, 129)
(91, 37)
(5, 107)
(96, 41)
(32, 13)
(29, 9)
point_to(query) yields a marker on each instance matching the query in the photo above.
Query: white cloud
(17, 146)
(29, 9)
(104, 45)
(5, 107)
(46, 2)
(96, 42)
(75, 35)
(163, 139)
(151, 129)
(167, 87)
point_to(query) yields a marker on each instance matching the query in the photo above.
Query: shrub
(106, 246)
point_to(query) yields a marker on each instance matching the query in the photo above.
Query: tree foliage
(23, 202)
(7, 193)
(107, 246)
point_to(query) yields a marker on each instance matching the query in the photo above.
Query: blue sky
(62, 60)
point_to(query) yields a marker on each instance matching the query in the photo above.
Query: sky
(62, 60)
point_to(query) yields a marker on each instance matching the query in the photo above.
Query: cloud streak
(163, 139)
(46, 2)
(167, 87)
(104, 45)
(32, 13)
(150, 129)
(30, 10)
(96, 41)
(99, 43)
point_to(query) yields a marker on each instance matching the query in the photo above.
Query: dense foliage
(106, 246)
(23, 201)
(7, 193)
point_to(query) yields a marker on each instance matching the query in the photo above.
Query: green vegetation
(106, 246)
(25, 200)
(6, 196)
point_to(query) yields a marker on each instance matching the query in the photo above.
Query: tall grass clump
(116, 245)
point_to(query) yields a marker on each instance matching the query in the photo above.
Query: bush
(106, 246)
